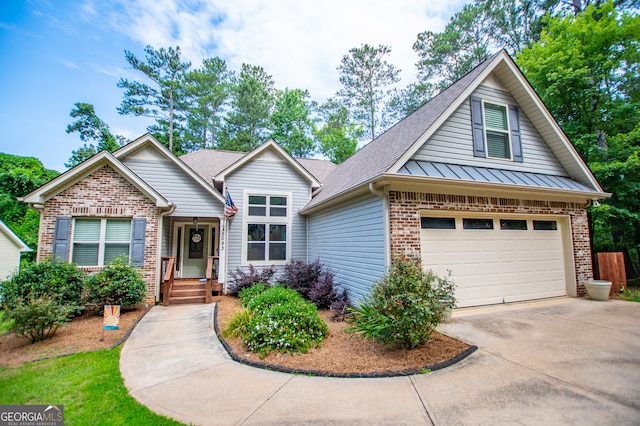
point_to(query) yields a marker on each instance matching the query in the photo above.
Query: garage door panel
(495, 266)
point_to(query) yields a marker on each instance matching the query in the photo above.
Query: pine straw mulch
(83, 334)
(346, 355)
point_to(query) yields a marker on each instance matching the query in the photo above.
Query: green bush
(290, 327)
(6, 325)
(38, 318)
(273, 296)
(277, 319)
(118, 283)
(248, 293)
(404, 307)
(62, 281)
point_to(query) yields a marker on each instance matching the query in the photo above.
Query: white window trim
(493, 129)
(102, 242)
(267, 220)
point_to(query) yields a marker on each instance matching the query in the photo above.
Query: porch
(175, 291)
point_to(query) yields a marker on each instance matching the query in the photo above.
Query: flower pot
(446, 315)
(598, 289)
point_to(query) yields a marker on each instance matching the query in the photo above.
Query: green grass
(5, 326)
(88, 384)
(630, 295)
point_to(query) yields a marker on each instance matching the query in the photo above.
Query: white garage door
(496, 260)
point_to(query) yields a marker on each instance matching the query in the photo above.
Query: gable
(453, 142)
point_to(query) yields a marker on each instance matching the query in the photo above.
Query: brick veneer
(405, 207)
(104, 194)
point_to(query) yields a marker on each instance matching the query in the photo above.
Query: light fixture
(595, 203)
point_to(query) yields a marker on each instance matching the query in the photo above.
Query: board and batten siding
(268, 176)
(350, 241)
(190, 198)
(452, 143)
(9, 256)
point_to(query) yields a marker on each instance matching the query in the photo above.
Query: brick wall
(405, 207)
(104, 194)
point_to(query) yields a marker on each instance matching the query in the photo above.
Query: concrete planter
(598, 289)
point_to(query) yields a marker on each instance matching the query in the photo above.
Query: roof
(84, 169)
(22, 246)
(484, 174)
(391, 150)
(209, 163)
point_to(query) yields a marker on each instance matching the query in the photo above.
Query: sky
(54, 53)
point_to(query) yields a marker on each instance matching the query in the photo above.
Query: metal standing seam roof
(484, 174)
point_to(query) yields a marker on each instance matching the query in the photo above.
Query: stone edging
(409, 372)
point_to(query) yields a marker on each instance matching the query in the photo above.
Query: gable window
(266, 223)
(497, 130)
(97, 242)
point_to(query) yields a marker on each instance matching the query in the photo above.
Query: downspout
(40, 209)
(159, 251)
(386, 222)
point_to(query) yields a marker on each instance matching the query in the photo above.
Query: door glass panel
(477, 223)
(438, 223)
(545, 225)
(513, 225)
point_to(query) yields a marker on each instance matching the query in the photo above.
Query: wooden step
(182, 300)
(178, 292)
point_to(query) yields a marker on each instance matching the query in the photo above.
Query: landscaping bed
(343, 354)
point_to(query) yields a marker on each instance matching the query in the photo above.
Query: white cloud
(300, 43)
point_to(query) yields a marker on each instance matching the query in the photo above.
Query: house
(11, 246)
(480, 181)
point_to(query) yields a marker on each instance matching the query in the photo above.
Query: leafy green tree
(252, 97)
(586, 69)
(206, 90)
(18, 177)
(160, 100)
(91, 129)
(403, 102)
(291, 123)
(337, 138)
(447, 56)
(365, 74)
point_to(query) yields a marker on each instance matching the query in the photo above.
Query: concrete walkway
(565, 361)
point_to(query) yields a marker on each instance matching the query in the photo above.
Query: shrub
(289, 327)
(241, 279)
(38, 318)
(314, 282)
(62, 281)
(404, 307)
(6, 324)
(273, 296)
(248, 293)
(339, 306)
(118, 283)
(278, 319)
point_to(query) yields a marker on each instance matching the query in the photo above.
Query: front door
(195, 250)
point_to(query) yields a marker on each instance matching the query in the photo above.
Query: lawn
(88, 384)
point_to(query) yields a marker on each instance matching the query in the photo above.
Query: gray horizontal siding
(350, 241)
(177, 186)
(274, 177)
(452, 143)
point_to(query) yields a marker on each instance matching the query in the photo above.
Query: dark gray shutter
(516, 143)
(61, 236)
(477, 127)
(138, 231)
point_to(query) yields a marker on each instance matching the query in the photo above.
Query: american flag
(229, 207)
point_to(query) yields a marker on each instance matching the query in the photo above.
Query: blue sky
(57, 53)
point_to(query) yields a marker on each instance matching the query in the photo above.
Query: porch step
(187, 291)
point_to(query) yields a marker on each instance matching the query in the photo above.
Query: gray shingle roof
(382, 153)
(208, 163)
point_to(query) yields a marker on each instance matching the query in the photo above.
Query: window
(477, 223)
(497, 130)
(266, 228)
(513, 225)
(438, 222)
(545, 225)
(97, 242)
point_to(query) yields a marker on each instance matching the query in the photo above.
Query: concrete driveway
(562, 361)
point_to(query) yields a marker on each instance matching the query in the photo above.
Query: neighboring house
(480, 181)
(10, 248)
